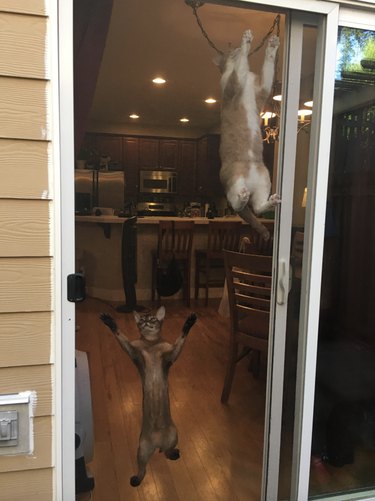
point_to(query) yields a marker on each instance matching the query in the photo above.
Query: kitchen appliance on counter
(95, 188)
(156, 209)
(157, 181)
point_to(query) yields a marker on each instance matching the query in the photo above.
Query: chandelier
(271, 119)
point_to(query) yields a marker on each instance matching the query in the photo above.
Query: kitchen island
(98, 253)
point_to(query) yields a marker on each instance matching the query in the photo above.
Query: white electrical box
(16, 422)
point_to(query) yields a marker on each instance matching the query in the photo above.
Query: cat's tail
(109, 322)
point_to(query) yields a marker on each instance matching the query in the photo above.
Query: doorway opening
(131, 125)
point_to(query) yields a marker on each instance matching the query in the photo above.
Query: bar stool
(209, 263)
(175, 238)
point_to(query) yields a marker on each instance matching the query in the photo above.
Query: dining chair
(249, 279)
(175, 239)
(209, 262)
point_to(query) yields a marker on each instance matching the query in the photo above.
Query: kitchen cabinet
(186, 166)
(131, 165)
(168, 153)
(111, 146)
(148, 153)
(208, 166)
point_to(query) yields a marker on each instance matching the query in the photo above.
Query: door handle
(282, 282)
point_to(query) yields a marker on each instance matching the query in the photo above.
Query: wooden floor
(221, 445)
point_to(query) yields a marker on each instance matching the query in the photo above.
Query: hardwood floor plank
(221, 445)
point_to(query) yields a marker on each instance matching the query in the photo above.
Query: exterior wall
(26, 244)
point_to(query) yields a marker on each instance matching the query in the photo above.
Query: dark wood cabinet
(110, 146)
(186, 167)
(168, 154)
(197, 162)
(131, 165)
(208, 166)
(148, 153)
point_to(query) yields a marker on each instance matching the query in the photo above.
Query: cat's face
(149, 325)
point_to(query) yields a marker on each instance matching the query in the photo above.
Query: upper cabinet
(168, 153)
(131, 164)
(196, 161)
(110, 147)
(148, 153)
(187, 158)
(208, 166)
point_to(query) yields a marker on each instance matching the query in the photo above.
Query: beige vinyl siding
(23, 44)
(37, 7)
(26, 249)
(23, 108)
(24, 169)
(32, 487)
(25, 338)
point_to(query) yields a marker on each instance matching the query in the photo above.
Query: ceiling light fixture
(184, 120)
(210, 100)
(278, 97)
(134, 116)
(159, 80)
(309, 104)
(303, 113)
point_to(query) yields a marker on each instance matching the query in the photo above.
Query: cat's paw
(173, 454)
(134, 481)
(274, 41)
(108, 321)
(274, 199)
(247, 37)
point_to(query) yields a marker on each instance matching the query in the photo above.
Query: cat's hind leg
(238, 195)
(145, 451)
(170, 440)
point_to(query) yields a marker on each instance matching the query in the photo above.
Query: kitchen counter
(98, 253)
(152, 219)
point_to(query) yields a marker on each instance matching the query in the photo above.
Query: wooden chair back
(257, 243)
(175, 238)
(297, 253)
(223, 235)
(249, 279)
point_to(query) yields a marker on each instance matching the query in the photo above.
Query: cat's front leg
(268, 71)
(247, 38)
(189, 322)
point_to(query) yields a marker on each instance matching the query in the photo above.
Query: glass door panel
(343, 442)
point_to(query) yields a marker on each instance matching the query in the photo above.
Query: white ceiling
(161, 37)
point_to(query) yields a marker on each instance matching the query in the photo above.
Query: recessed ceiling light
(309, 104)
(134, 116)
(210, 100)
(159, 80)
(277, 98)
(184, 120)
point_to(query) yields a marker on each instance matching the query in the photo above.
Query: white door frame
(64, 221)
(63, 124)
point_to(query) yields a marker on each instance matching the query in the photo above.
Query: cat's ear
(160, 314)
(137, 316)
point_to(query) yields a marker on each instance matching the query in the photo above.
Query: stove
(156, 209)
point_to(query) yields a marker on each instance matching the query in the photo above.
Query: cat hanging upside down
(153, 357)
(245, 178)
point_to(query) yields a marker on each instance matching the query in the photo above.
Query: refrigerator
(95, 188)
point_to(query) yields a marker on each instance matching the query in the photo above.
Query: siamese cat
(245, 178)
(153, 357)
